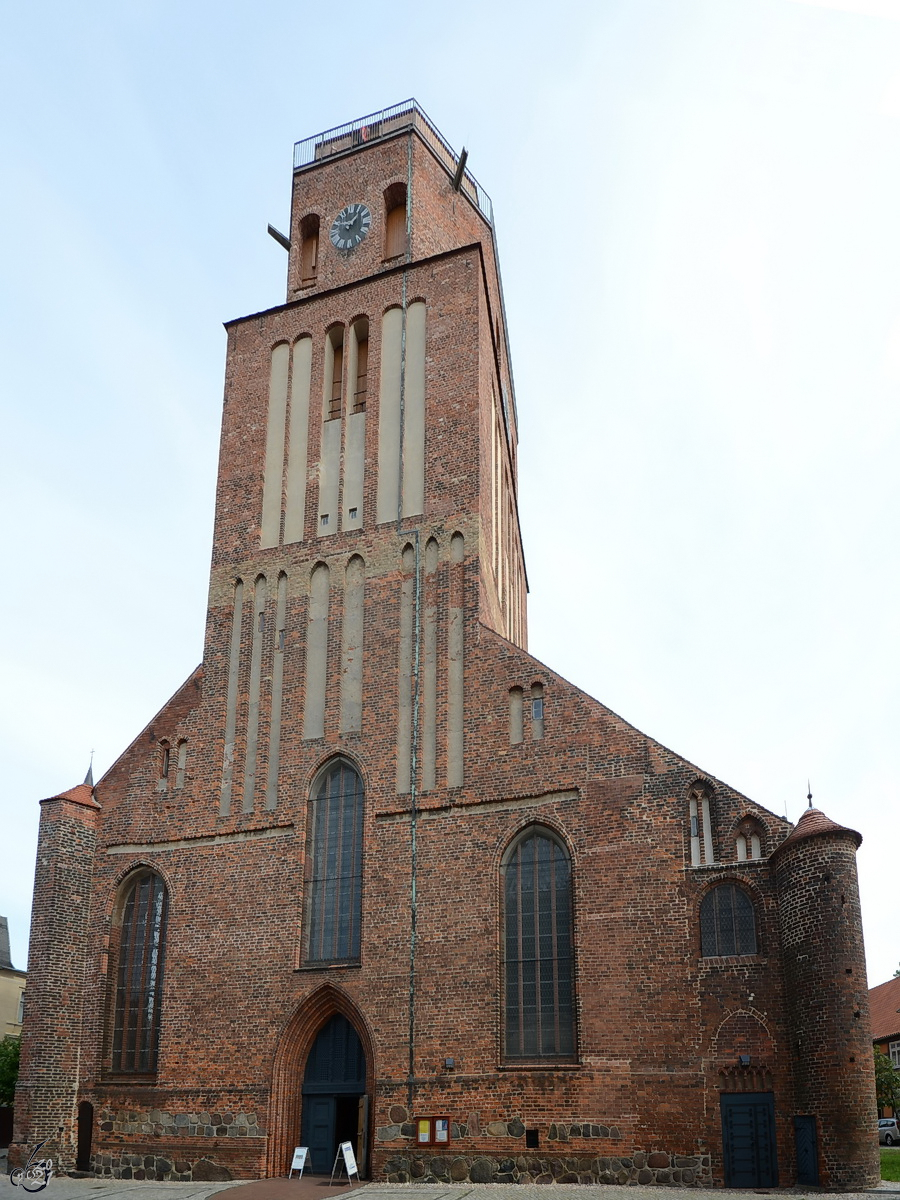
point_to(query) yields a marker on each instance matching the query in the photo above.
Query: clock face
(350, 226)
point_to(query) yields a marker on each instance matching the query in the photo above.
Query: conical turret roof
(82, 793)
(812, 823)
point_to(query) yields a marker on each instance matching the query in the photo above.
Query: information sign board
(298, 1162)
(349, 1159)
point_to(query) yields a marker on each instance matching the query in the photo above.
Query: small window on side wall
(309, 250)
(700, 808)
(749, 840)
(537, 711)
(395, 220)
(727, 923)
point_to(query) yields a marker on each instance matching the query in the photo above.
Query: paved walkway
(317, 1188)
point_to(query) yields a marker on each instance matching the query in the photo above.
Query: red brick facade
(418, 675)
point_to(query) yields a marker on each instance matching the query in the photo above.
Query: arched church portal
(322, 1084)
(335, 1108)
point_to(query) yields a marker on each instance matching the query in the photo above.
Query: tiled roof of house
(884, 1005)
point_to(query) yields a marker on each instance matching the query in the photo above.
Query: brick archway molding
(296, 1041)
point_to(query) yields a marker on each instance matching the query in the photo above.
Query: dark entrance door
(748, 1139)
(318, 1132)
(807, 1150)
(85, 1136)
(334, 1082)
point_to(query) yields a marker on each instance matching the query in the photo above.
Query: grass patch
(890, 1163)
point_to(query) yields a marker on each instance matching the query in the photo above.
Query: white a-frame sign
(345, 1151)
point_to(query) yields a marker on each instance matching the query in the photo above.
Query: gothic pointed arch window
(334, 865)
(749, 839)
(539, 964)
(139, 955)
(727, 923)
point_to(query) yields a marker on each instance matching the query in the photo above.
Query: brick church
(375, 874)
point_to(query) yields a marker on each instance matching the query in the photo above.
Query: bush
(887, 1083)
(9, 1069)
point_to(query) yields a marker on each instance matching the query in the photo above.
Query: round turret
(827, 997)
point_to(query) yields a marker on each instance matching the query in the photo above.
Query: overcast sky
(697, 208)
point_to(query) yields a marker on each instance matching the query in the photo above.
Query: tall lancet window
(539, 988)
(334, 855)
(138, 974)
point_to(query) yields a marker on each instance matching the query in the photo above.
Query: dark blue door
(807, 1150)
(318, 1132)
(334, 1080)
(748, 1139)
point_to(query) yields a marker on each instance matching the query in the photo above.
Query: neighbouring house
(12, 988)
(884, 1007)
(12, 1003)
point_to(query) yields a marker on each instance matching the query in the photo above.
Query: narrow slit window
(395, 221)
(182, 763)
(702, 849)
(337, 378)
(362, 375)
(516, 730)
(309, 250)
(537, 712)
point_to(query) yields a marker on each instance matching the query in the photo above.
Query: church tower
(367, 481)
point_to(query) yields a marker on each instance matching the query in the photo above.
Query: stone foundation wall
(192, 1124)
(658, 1167)
(197, 1146)
(124, 1165)
(514, 1164)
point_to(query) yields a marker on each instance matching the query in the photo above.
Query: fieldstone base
(155, 1166)
(672, 1170)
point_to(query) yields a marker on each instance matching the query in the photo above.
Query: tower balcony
(388, 122)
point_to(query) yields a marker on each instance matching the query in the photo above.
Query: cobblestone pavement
(315, 1188)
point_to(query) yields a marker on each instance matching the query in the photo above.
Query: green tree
(9, 1069)
(887, 1083)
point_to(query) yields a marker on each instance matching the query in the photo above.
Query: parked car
(889, 1131)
